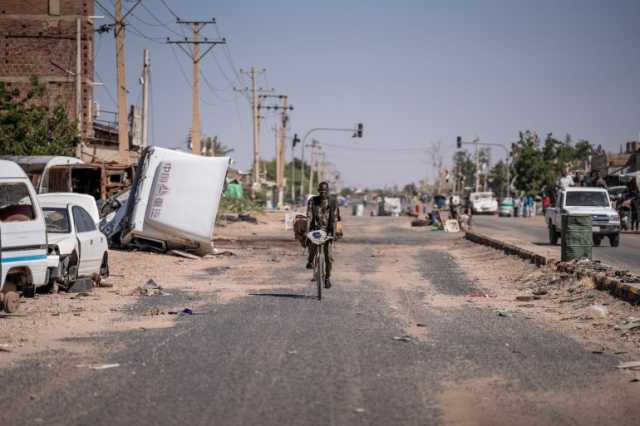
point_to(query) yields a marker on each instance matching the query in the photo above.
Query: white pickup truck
(25, 261)
(591, 201)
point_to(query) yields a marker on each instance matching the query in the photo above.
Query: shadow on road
(283, 295)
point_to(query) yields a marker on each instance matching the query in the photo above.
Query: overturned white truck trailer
(172, 203)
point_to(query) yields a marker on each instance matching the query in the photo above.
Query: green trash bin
(577, 237)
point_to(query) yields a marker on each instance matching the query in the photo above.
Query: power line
(169, 9)
(227, 51)
(160, 23)
(106, 88)
(362, 149)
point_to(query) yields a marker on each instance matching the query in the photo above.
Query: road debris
(598, 311)
(504, 313)
(151, 288)
(185, 311)
(632, 365)
(184, 254)
(526, 298)
(98, 366)
(5, 347)
(630, 323)
(218, 252)
(405, 338)
(152, 312)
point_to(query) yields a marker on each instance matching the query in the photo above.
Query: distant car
(72, 229)
(506, 207)
(483, 202)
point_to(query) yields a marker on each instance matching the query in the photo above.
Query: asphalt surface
(281, 357)
(625, 256)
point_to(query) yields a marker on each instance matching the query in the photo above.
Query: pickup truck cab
(25, 262)
(592, 201)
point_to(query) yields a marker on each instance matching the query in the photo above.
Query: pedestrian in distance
(323, 214)
(635, 212)
(565, 180)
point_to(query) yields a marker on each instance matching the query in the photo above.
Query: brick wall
(38, 38)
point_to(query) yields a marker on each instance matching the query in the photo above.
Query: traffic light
(459, 142)
(296, 140)
(359, 130)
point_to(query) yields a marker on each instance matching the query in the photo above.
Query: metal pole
(145, 99)
(302, 173)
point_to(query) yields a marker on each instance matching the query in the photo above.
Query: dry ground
(51, 322)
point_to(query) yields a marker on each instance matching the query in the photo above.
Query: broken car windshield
(57, 221)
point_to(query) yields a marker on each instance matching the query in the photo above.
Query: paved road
(626, 256)
(281, 357)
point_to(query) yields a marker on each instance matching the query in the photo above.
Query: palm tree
(212, 147)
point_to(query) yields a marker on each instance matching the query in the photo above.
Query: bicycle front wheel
(320, 271)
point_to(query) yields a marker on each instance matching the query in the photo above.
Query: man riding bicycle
(323, 213)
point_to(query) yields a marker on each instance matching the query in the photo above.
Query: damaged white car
(72, 230)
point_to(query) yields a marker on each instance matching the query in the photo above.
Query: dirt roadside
(51, 322)
(55, 322)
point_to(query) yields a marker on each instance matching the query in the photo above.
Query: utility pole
(477, 164)
(79, 75)
(196, 57)
(280, 141)
(255, 118)
(123, 121)
(145, 98)
(281, 153)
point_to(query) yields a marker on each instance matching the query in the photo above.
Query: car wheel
(614, 240)
(553, 235)
(70, 271)
(597, 240)
(104, 267)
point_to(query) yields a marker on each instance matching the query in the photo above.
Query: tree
(498, 178)
(212, 147)
(28, 126)
(464, 168)
(529, 164)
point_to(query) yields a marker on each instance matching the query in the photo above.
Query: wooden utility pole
(196, 57)
(146, 75)
(123, 120)
(79, 75)
(255, 118)
(282, 151)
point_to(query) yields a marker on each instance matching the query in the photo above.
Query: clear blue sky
(414, 72)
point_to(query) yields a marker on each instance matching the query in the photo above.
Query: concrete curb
(629, 292)
(511, 249)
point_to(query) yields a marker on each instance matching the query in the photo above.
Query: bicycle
(319, 238)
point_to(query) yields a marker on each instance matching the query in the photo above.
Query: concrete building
(42, 39)
(39, 38)
(610, 164)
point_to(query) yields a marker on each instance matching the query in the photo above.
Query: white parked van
(24, 259)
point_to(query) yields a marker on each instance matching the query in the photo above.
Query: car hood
(590, 210)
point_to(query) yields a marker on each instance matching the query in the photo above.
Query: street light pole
(477, 142)
(357, 132)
